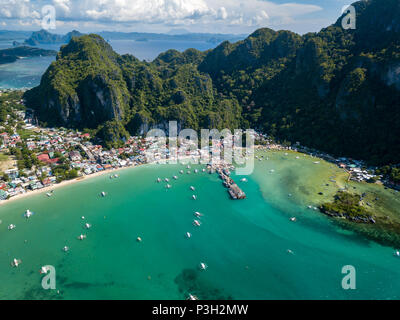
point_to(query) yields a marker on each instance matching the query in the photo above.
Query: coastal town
(35, 158)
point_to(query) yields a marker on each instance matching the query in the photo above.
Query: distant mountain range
(44, 37)
(13, 54)
(336, 90)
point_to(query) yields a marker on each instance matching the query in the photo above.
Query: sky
(163, 16)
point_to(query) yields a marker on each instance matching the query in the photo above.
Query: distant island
(13, 54)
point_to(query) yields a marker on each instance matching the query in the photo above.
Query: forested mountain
(337, 90)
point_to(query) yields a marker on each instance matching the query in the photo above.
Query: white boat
(168, 186)
(65, 249)
(204, 170)
(28, 214)
(88, 226)
(194, 197)
(188, 167)
(188, 172)
(188, 235)
(175, 177)
(166, 180)
(43, 270)
(198, 214)
(158, 180)
(192, 188)
(316, 162)
(81, 237)
(83, 217)
(12, 227)
(293, 219)
(397, 253)
(16, 262)
(196, 223)
(181, 172)
(203, 266)
(49, 194)
(196, 171)
(192, 297)
(290, 251)
(103, 194)
(244, 180)
(139, 239)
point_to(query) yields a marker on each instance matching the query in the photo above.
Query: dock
(233, 189)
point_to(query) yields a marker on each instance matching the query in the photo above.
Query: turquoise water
(243, 243)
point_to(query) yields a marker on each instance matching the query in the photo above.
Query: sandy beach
(62, 184)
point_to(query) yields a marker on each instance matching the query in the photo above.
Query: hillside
(337, 90)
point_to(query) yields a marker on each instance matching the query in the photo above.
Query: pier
(223, 171)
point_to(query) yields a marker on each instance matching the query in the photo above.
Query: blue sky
(213, 16)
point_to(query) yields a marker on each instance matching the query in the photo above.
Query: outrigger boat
(203, 266)
(198, 214)
(81, 237)
(28, 214)
(103, 194)
(65, 249)
(43, 270)
(194, 197)
(88, 226)
(12, 227)
(196, 223)
(192, 188)
(188, 235)
(15, 263)
(192, 297)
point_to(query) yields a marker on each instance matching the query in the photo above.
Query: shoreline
(63, 184)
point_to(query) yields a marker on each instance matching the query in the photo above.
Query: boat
(103, 194)
(290, 251)
(188, 167)
(139, 239)
(244, 180)
(192, 297)
(175, 177)
(194, 197)
(196, 171)
(49, 194)
(196, 223)
(192, 188)
(166, 180)
(15, 263)
(181, 172)
(198, 214)
(43, 270)
(88, 226)
(293, 219)
(188, 172)
(81, 237)
(28, 214)
(12, 227)
(188, 235)
(83, 217)
(204, 170)
(65, 249)
(397, 253)
(158, 180)
(316, 162)
(168, 186)
(203, 266)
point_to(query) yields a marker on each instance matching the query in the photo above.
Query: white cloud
(206, 14)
